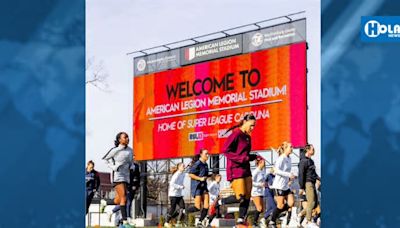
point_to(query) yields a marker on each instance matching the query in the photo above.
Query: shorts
(200, 191)
(242, 186)
(279, 192)
(302, 198)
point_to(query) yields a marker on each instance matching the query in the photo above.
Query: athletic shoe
(240, 221)
(311, 225)
(272, 225)
(103, 205)
(297, 222)
(199, 224)
(267, 220)
(125, 224)
(180, 224)
(205, 222)
(263, 223)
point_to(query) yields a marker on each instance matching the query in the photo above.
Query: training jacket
(237, 149)
(119, 159)
(307, 171)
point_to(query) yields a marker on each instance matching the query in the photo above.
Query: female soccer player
(175, 193)
(119, 159)
(237, 149)
(280, 185)
(199, 174)
(258, 190)
(213, 189)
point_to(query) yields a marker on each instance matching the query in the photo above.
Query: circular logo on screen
(372, 28)
(141, 65)
(257, 39)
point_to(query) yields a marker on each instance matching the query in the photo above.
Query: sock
(315, 218)
(168, 217)
(302, 219)
(256, 216)
(229, 200)
(210, 218)
(275, 214)
(192, 209)
(289, 216)
(123, 212)
(203, 213)
(176, 213)
(285, 208)
(181, 215)
(243, 206)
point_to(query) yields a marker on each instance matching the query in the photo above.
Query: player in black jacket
(92, 183)
(307, 179)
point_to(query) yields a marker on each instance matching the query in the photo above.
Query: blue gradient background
(42, 116)
(42, 113)
(360, 119)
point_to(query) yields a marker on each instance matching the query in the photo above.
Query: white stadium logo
(190, 53)
(141, 65)
(257, 39)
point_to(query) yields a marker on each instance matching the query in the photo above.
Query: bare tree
(96, 75)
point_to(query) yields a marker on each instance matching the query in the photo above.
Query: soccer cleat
(205, 222)
(240, 221)
(199, 224)
(272, 225)
(125, 224)
(263, 223)
(103, 205)
(180, 224)
(311, 225)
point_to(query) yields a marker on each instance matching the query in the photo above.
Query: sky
(115, 28)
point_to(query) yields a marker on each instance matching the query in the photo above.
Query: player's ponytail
(245, 118)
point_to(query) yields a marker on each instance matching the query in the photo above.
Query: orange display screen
(179, 111)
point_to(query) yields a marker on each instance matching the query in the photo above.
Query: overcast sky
(114, 28)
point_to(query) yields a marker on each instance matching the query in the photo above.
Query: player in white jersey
(283, 175)
(258, 189)
(175, 193)
(214, 190)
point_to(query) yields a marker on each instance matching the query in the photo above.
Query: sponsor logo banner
(275, 36)
(211, 50)
(380, 29)
(156, 62)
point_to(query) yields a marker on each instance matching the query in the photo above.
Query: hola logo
(374, 29)
(381, 28)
